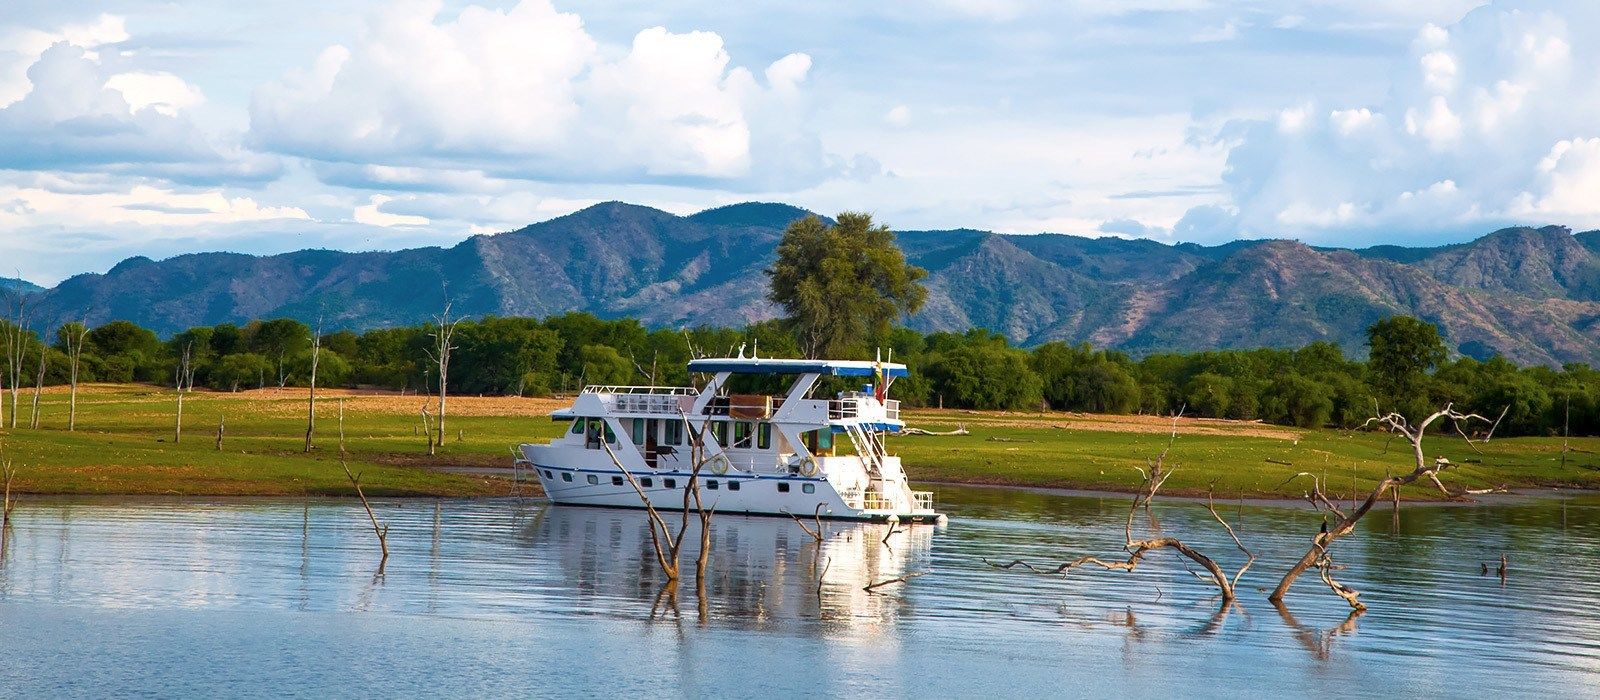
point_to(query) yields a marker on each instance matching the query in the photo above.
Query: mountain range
(1530, 294)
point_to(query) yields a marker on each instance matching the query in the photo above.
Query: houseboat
(774, 453)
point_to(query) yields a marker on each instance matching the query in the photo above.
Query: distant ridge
(1531, 294)
(19, 285)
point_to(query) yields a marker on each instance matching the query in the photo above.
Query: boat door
(651, 429)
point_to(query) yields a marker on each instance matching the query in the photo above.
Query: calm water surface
(501, 597)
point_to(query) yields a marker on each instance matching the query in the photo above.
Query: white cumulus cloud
(528, 93)
(1491, 121)
(78, 115)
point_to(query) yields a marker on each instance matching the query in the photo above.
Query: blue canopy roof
(838, 368)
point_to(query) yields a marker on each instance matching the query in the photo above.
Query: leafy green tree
(239, 371)
(1210, 394)
(227, 339)
(1296, 400)
(124, 338)
(497, 355)
(985, 376)
(843, 286)
(278, 340)
(602, 364)
(1403, 350)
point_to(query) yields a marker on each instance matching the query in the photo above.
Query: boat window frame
(594, 480)
(808, 488)
(763, 436)
(783, 487)
(638, 431)
(719, 432)
(744, 441)
(673, 433)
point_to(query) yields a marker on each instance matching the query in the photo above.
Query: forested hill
(1532, 295)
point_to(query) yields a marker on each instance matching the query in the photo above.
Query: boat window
(764, 436)
(547, 474)
(611, 435)
(719, 430)
(594, 479)
(733, 485)
(638, 431)
(741, 434)
(566, 476)
(808, 488)
(783, 487)
(712, 484)
(616, 481)
(647, 482)
(674, 432)
(577, 426)
(670, 483)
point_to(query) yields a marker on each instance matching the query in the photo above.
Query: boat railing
(922, 500)
(656, 404)
(625, 389)
(849, 406)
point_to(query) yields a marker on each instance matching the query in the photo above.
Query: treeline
(1317, 385)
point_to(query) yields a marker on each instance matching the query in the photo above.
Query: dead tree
(16, 351)
(311, 401)
(667, 544)
(184, 373)
(222, 420)
(38, 388)
(382, 531)
(440, 355)
(1318, 556)
(427, 428)
(75, 335)
(7, 471)
(1136, 549)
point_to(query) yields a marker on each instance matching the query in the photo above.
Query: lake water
(501, 597)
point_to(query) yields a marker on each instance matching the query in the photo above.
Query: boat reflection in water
(763, 572)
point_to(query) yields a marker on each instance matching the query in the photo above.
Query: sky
(156, 128)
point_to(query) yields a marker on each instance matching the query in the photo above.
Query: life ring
(719, 464)
(808, 466)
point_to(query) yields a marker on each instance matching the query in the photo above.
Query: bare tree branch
(1317, 555)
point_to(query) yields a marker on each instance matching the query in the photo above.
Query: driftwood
(382, 531)
(960, 430)
(817, 516)
(873, 587)
(1318, 555)
(1138, 548)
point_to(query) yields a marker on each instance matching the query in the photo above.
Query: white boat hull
(755, 494)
